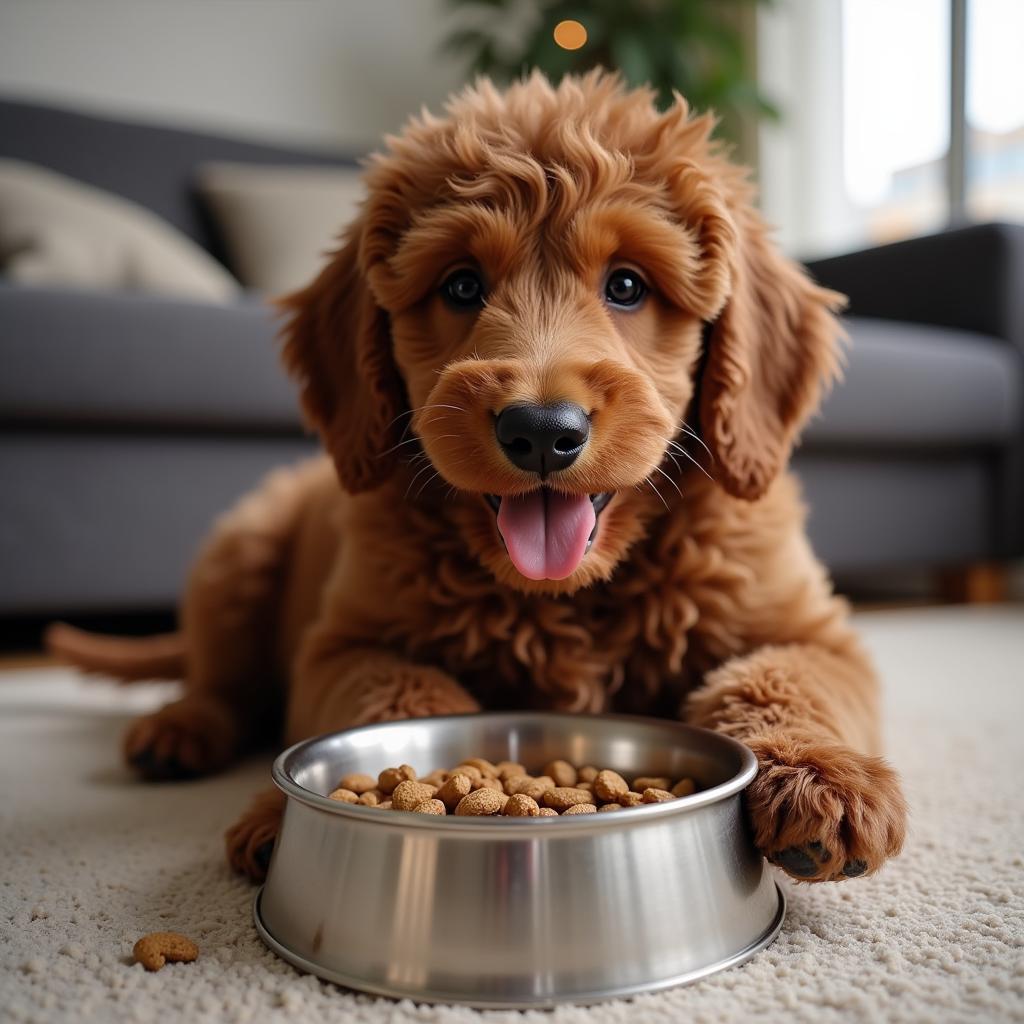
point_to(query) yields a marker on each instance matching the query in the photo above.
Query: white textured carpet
(90, 860)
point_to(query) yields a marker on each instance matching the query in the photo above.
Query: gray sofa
(128, 422)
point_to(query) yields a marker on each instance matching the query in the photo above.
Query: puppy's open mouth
(547, 533)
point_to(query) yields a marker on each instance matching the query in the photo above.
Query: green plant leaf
(689, 45)
(632, 58)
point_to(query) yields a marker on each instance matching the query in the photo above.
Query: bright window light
(995, 65)
(895, 91)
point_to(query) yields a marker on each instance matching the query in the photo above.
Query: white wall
(320, 71)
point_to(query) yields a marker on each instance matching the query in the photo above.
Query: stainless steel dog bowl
(517, 912)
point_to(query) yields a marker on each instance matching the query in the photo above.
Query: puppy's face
(530, 280)
(549, 369)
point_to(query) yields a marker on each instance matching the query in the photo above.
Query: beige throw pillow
(278, 223)
(55, 230)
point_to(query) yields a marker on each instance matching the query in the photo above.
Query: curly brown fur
(395, 596)
(250, 841)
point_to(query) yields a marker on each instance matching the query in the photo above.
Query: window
(896, 74)
(995, 110)
(899, 118)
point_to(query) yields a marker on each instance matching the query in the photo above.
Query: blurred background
(166, 165)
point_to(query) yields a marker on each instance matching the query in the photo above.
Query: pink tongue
(546, 533)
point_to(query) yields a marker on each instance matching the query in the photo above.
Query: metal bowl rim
(406, 819)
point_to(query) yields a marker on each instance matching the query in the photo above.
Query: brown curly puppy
(543, 288)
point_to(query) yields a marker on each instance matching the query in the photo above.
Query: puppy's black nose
(543, 438)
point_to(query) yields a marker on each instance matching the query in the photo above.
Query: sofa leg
(976, 583)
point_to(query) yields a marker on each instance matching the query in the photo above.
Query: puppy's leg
(822, 806)
(249, 842)
(339, 690)
(232, 693)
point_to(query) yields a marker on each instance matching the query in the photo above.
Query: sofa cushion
(151, 165)
(279, 223)
(57, 231)
(118, 358)
(908, 384)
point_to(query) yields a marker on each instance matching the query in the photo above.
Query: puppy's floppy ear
(337, 344)
(772, 349)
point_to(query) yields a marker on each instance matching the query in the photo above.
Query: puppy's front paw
(823, 812)
(192, 737)
(249, 843)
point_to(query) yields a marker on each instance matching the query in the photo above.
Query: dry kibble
(538, 787)
(609, 786)
(454, 790)
(563, 773)
(532, 787)
(651, 782)
(483, 766)
(521, 806)
(474, 773)
(509, 770)
(478, 787)
(481, 802)
(159, 948)
(653, 795)
(561, 798)
(408, 795)
(391, 777)
(358, 782)
(344, 796)
(580, 809)
(430, 807)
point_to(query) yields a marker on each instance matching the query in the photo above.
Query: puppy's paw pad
(808, 861)
(821, 854)
(184, 740)
(156, 769)
(797, 861)
(824, 812)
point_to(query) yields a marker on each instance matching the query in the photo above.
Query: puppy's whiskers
(423, 408)
(395, 447)
(685, 428)
(429, 480)
(419, 473)
(412, 412)
(648, 480)
(686, 455)
(669, 479)
(426, 483)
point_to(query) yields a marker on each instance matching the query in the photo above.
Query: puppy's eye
(624, 288)
(464, 289)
